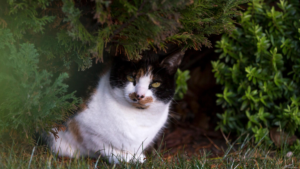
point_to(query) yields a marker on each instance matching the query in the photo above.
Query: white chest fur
(112, 126)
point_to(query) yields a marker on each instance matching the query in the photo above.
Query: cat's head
(144, 82)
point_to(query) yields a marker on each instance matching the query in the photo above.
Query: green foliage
(296, 146)
(29, 100)
(181, 85)
(259, 69)
(41, 22)
(130, 27)
(77, 31)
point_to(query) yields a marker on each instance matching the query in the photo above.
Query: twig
(212, 142)
(225, 137)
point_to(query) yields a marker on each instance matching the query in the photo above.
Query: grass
(238, 155)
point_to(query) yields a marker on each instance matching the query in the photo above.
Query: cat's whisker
(174, 101)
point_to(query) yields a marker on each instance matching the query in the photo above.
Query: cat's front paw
(127, 158)
(141, 158)
(135, 158)
(113, 160)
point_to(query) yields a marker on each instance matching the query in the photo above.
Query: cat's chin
(140, 106)
(137, 105)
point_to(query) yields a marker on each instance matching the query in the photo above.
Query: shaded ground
(191, 141)
(193, 120)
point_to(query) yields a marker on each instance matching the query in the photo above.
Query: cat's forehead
(143, 71)
(140, 68)
(152, 71)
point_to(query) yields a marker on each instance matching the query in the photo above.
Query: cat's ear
(172, 61)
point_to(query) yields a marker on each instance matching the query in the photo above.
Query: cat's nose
(140, 92)
(139, 97)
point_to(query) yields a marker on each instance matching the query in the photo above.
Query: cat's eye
(156, 84)
(130, 78)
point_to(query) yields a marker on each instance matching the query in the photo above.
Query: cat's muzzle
(140, 102)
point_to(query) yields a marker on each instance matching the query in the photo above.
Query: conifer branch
(129, 21)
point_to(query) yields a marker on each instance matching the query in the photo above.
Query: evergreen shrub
(29, 101)
(259, 68)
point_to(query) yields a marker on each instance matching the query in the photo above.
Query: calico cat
(125, 113)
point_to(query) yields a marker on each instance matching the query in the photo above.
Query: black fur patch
(121, 68)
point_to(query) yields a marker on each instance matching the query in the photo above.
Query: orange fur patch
(140, 73)
(150, 69)
(74, 129)
(132, 96)
(93, 91)
(59, 127)
(56, 129)
(146, 100)
(82, 107)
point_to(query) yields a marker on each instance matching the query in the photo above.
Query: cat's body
(128, 108)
